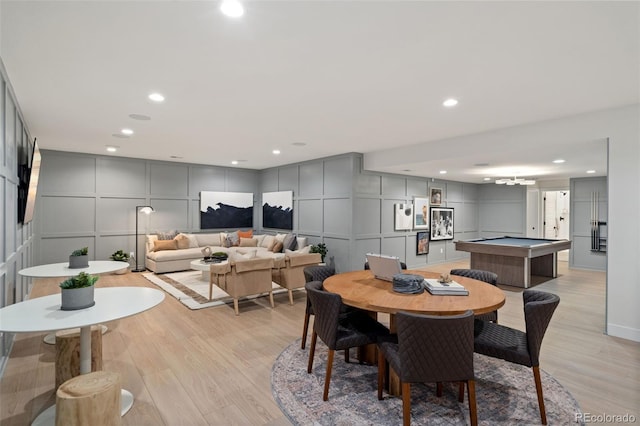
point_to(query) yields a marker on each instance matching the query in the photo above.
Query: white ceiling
(338, 76)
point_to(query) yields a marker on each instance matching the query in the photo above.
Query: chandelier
(515, 181)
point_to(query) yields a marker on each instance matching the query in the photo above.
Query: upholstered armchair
(241, 278)
(291, 274)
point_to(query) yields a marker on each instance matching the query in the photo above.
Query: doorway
(556, 218)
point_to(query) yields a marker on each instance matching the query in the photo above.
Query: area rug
(193, 292)
(505, 393)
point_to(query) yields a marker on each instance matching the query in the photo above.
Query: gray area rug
(505, 394)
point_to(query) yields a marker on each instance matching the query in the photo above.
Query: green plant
(319, 248)
(79, 281)
(120, 256)
(80, 252)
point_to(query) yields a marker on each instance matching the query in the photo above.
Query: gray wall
(90, 200)
(502, 210)
(582, 189)
(17, 240)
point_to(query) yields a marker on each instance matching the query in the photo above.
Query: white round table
(53, 270)
(44, 314)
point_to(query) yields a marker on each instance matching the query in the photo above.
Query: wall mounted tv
(29, 186)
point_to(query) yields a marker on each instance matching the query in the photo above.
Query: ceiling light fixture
(127, 132)
(156, 97)
(443, 172)
(591, 171)
(276, 151)
(450, 103)
(234, 162)
(112, 148)
(515, 181)
(487, 179)
(559, 161)
(232, 8)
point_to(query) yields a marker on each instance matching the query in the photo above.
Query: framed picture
(441, 223)
(436, 196)
(422, 242)
(226, 210)
(277, 210)
(403, 216)
(420, 213)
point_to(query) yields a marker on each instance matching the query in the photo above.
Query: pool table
(515, 259)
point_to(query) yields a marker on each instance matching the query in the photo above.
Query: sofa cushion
(232, 240)
(159, 245)
(248, 242)
(281, 237)
(276, 247)
(267, 242)
(169, 235)
(182, 241)
(236, 255)
(303, 250)
(173, 255)
(245, 234)
(208, 239)
(193, 241)
(302, 242)
(289, 242)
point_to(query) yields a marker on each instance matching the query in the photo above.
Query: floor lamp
(145, 210)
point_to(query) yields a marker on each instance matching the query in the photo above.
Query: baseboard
(623, 332)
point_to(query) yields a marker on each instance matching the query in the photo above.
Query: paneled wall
(584, 192)
(17, 239)
(502, 210)
(90, 200)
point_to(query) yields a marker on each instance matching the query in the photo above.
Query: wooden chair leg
(536, 377)
(291, 297)
(461, 392)
(381, 373)
(327, 377)
(305, 329)
(406, 404)
(439, 389)
(312, 351)
(235, 306)
(273, 305)
(473, 409)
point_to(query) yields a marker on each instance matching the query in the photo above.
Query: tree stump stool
(68, 353)
(89, 399)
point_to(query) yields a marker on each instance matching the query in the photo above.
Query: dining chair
(313, 273)
(430, 349)
(487, 277)
(509, 344)
(338, 332)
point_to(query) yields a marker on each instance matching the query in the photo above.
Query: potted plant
(120, 256)
(320, 248)
(79, 258)
(77, 292)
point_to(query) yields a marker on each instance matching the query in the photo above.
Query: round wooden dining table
(362, 290)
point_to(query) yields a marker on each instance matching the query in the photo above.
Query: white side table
(44, 314)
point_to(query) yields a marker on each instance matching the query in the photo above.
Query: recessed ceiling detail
(156, 97)
(140, 117)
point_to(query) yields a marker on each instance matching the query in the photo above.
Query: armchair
(291, 275)
(242, 278)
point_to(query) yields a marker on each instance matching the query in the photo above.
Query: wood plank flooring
(211, 367)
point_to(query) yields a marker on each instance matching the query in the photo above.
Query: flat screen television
(29, 186)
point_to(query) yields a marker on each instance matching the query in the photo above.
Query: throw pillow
(259, 238)
(303, 250)
(213, 240)
(159, 245)
(277, 247)
(248, 242)
(245, 234)
(182, 241)
(193, 241)
(267, 242)
(289, 242)
(233, 240)
(235, 255)
(169, 235)
(280, 237)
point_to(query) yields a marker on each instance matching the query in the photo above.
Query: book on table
(452, 288)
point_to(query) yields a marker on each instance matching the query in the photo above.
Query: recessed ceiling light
(112, 148)
(406, 170)
(234, 162)
(175, 157)
(232, 8)
(591, 171)
(140, 117)
(443, 172)
(299, 144)
(276, 151)
(156, 97)
(486, 179)
(449, 103)
(127, 132)
(120, 136)
(559, 161)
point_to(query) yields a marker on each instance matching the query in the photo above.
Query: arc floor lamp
(146, 210)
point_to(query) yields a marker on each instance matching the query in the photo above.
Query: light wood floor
(210, 367)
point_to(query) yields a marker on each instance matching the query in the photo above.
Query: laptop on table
(384, 267)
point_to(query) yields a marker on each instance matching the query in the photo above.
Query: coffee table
(44, 314)
(201, 265)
